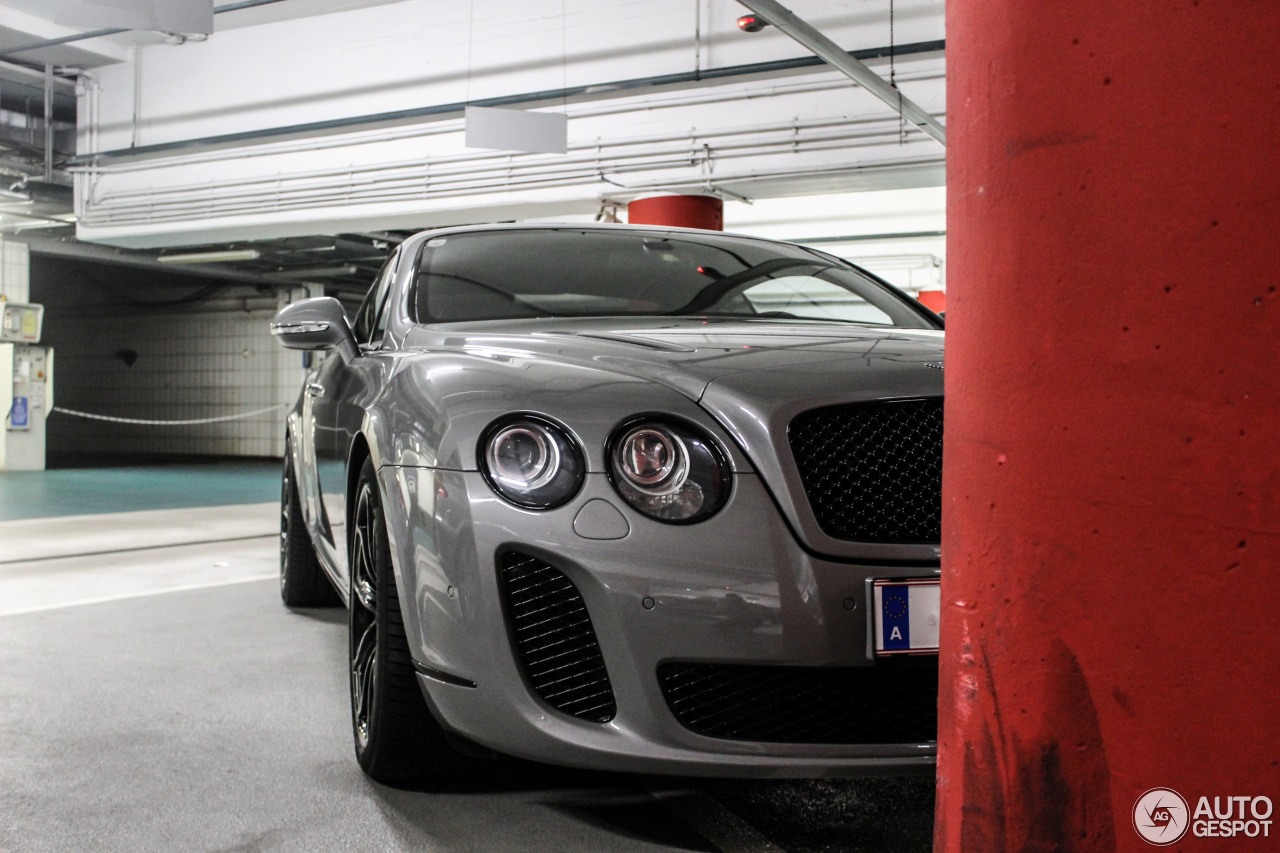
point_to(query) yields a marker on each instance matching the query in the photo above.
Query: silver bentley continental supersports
(639, 499)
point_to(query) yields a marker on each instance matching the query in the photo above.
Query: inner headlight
(531, 462)
(669, 470)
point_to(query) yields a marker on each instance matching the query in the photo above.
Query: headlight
(531, 462)
(668, 470)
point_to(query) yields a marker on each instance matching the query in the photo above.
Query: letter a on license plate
(906, 616)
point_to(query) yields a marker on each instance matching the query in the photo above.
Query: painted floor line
(183, 544)
(141, 594)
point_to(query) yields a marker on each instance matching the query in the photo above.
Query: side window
(371, 319)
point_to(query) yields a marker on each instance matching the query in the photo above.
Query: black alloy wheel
(302, 582)
(398, 741)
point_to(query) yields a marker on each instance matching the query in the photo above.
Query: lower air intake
(553, 637)
(793, 704)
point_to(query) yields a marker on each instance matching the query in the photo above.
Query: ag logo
(1160, 816)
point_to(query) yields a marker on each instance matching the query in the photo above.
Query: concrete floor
(156, 696)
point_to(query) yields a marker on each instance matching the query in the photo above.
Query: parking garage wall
(14, 270)
(144, 346)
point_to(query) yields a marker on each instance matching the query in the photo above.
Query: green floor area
(85, 491)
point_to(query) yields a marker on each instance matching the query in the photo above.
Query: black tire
(398, 741)
(302, 582)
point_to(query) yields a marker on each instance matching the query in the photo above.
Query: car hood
(768, 358)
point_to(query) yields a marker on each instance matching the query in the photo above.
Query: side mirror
(316, 324)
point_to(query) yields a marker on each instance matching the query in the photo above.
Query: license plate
(906, 616)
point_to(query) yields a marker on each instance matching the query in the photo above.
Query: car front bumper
(736, 589)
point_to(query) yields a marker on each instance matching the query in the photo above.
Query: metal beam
(68, 248)
(787, 23)
(48, 123)
(43, 43)
(93, 34)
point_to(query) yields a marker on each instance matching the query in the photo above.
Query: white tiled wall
(188, 367)
(207, 360)
(14, 266)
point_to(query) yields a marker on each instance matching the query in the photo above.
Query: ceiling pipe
(177, 210)
(579, 152)
(174, 208)
(407, 179)
(414, 193)
(786, 21)
(309, 273)
(216, 257)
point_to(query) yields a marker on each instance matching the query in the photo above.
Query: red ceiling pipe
(684, 211)
(1111, 498)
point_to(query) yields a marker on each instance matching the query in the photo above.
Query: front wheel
(398, 742)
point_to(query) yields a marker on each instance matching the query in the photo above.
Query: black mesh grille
(873, 471)
(553, 637)
(790, 704)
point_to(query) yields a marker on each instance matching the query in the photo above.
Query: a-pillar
(1111, 550)
(684, 211)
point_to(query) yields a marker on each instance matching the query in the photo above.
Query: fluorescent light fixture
(210, 257)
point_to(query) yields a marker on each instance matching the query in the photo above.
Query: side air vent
(553, 638)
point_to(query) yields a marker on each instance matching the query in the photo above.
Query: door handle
(315, 389)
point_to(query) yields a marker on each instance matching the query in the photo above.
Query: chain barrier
(187, 422)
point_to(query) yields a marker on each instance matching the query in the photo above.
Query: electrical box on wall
(26, 398)
(21, 323)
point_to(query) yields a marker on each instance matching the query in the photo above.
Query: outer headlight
(531, 461)
(669, 470)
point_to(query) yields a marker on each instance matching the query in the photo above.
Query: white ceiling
(348, 65)
(27, 22)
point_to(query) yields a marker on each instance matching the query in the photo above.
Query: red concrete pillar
(684, 211)
(1111, 557)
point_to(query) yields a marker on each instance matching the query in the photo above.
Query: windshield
(494, 275)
